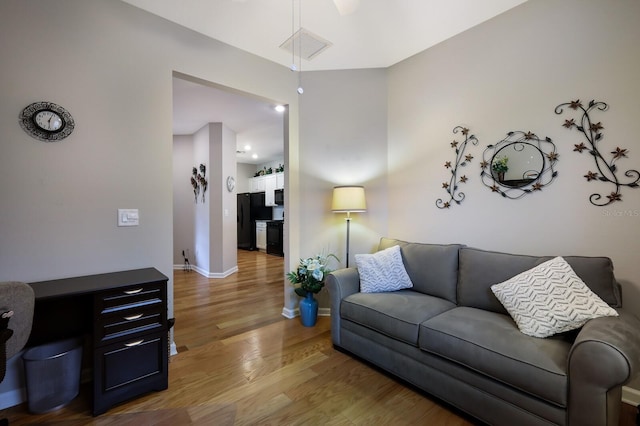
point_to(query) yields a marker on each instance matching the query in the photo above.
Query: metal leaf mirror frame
(461, 160)
(532, 164)
(607, 171)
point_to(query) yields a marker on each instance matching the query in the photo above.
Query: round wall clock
(231, 183)
(46, 121)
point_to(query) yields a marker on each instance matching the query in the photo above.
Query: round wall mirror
(517, 164)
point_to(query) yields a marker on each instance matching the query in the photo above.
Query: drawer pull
(136, 343)
(138, 290)
(133, 317)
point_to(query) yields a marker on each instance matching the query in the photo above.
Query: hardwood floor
(241, 363)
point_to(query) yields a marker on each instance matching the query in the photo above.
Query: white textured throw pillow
(382, 271)
(550, 299)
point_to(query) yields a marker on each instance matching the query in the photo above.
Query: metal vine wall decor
(199, 181)
(461, 160)
(519, 164)
(606, 170)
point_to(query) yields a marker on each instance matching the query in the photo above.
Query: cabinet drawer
(130, 297)
(131, 361)
(128, 323)
(128, 369)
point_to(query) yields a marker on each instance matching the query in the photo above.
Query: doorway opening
(240, 140)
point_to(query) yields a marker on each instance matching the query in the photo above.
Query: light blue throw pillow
(382, 271)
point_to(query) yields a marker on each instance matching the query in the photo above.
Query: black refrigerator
(250, 208)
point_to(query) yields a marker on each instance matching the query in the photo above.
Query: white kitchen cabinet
(269, 190)
(261, 235)
(257, 184)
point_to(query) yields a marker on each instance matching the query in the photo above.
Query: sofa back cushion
(433, 268)
(480, 269)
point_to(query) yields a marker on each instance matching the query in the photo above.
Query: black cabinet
(126, 314)
(130, 335)
(275, 240)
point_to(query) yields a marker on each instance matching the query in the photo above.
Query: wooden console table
(124, 317)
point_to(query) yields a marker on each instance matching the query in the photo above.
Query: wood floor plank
(240, 362)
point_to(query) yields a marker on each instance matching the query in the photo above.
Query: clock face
(231, 183)
(46, 121)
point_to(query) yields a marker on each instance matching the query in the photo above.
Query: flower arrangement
(309, 276)
(499, 164)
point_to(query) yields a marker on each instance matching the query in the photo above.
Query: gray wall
(509, 74)
(111, 65)
(223, 237)
(343, 125)
(183, 199)
(343, 128)
(203, 221)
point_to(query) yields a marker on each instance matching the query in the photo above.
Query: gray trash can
(52, 374)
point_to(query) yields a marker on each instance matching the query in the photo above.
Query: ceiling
(255, 121)
(374, 34)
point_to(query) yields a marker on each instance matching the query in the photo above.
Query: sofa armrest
(604, 356)
(340, 283)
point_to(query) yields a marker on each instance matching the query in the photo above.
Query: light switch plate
(128, 217)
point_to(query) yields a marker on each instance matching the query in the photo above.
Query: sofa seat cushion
(396, 314)
(492, 344)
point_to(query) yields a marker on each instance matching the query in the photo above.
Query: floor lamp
(348, 199)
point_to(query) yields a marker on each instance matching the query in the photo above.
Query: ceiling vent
(305, 44)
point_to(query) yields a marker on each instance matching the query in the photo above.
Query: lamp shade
(348, 199)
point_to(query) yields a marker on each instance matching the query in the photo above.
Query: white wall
(509, 74)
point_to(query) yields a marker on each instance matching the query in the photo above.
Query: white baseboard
(292, 313)
(630, 396)
(208, 274)
(173, 349)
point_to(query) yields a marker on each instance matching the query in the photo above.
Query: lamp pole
(347, 199)
(348, 219)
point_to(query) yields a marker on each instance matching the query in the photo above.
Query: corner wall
(343, 130)
(509, 74)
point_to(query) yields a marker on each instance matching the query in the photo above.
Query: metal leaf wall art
(461, 160)
(199, 181)
(605, 170)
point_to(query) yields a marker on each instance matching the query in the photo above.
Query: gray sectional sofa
(451, 337)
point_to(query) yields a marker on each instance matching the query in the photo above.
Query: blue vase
(309, 310)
